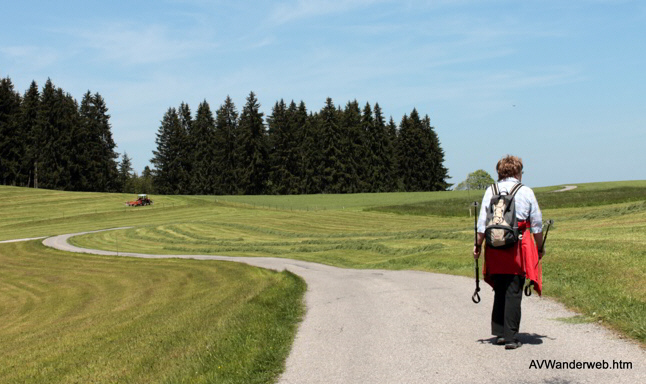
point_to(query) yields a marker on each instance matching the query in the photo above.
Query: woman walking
(506, 268)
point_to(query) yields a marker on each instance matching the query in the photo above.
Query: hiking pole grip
(476, 295)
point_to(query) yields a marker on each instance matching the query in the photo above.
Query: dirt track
(566, 188)
(375, 326)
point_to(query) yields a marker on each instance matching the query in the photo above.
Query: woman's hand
(541, 253)
(476, 251)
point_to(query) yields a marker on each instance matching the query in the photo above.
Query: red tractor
(140, 202)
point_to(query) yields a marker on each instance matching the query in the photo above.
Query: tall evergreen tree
(126, 175)
(381, 155)
(393, 134)
(57, 119)
(311, 154)
(353, 140)
(421, 158)
(145, 181)
(372, 176)
(332, 172)
(436, 160)
(186, 157)
(204, 167)
(226, 142)
(100, 164)
(406, 143)
(284, 149)
(29, 122)
(253, 154)
(12, 147)
(108, 154)
(170, 177)
(418, 156)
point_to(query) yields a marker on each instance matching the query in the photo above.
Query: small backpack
(501, 229)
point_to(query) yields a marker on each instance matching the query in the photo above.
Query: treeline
(49, 140)
(295, 151)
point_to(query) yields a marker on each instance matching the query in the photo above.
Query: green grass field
(73, 318)
(595, 263)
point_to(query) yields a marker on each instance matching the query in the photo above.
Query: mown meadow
(595, 264)
(73, 318)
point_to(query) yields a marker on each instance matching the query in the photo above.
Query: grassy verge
(74, 318)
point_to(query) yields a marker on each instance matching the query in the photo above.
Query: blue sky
(561, 84)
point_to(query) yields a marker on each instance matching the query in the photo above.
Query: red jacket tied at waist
(520, 259)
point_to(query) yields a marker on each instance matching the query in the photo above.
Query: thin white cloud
(29, 56)
(130, 44)
(302, 9)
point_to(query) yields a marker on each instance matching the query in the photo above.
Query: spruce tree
(204, 171)
(170, 177)
(126, 175)
(332, 167)
(146, 181)
(284, 149)
(440, 173)
(420, 168)
(420, 155)
(353, 143)
(32, 138)
(100, 166)
(187, 156)
(253, 158)
(48, 130)
(393, 135)
(296, 120)
(406, 154)
(312, 155)
(382, 154)
(12, 148)
(226, 141)
(372, 175)
(108, 154)
(58, 118)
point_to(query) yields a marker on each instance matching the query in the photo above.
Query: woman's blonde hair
(509, 166)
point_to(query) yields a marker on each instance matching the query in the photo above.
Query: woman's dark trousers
(505, 317)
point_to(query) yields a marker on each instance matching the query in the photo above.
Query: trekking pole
(547, 230)
(528, 287)
(476, 296)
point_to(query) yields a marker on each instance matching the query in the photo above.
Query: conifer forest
(49, 140)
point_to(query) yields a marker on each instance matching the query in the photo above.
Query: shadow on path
(525, 338)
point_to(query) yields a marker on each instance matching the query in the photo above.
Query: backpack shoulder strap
(494, 189)
(515, 189)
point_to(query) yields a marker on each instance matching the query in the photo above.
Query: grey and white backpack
(501, 229)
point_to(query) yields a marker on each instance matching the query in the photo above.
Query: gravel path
(566, 188)
(375, 326)
(17, 240)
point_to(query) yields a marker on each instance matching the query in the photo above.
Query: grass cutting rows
(78, 319)
(596, 264)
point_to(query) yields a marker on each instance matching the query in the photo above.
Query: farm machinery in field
(142, 200)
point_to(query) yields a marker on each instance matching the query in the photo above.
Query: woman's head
(509, 166)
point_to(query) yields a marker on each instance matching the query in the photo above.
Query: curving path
(566, 188)
(375, 326)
